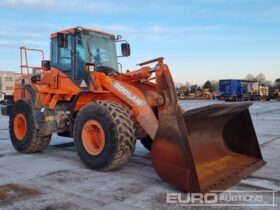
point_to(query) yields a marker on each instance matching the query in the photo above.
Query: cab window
(54, 53)
(81, 59)
(65, 59)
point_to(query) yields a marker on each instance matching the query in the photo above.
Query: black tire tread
(38, 143)
(126, 133)
(122, 123)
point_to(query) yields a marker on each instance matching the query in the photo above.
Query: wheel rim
(20, 126)
(93, 137)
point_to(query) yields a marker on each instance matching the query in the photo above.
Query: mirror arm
(121, 40)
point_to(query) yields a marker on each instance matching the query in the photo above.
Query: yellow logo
(109, 80)
(50, 118)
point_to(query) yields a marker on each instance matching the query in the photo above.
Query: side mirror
(125, 49)
(46, 65)
(62, 40)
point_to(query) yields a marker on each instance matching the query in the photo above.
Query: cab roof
(73, 30)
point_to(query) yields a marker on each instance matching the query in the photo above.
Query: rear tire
(23, 133)
(116, 139)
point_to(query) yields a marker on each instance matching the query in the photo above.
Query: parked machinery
(81, 94)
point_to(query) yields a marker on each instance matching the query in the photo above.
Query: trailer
(238, 90)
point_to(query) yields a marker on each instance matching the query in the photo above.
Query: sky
(199, 39)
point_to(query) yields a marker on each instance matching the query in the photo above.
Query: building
(7, 83)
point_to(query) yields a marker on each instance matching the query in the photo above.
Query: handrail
(24, 50)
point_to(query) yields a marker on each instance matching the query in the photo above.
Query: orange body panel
(134, 98)
(138, 97)
(54, 86)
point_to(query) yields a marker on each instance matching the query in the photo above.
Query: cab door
(81, 77)
(61, 57)
(65, 62)
(70, 59)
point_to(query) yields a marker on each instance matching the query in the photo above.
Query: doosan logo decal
(127, 93)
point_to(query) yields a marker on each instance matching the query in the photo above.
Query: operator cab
(73, 49)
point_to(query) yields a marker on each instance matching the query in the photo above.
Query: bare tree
(215, 84)
(250, 77)
(260, 78)
(178, 85)
(188, 85)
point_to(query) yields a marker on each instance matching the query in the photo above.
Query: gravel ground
(56, 179)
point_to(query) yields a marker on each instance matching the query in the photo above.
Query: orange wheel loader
(81, 93)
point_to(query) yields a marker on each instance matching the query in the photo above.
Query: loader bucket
(205, 149)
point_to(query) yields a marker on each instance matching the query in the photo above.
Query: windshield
(100, 49)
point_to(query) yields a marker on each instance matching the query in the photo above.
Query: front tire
(104, 135)
(23, 133)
